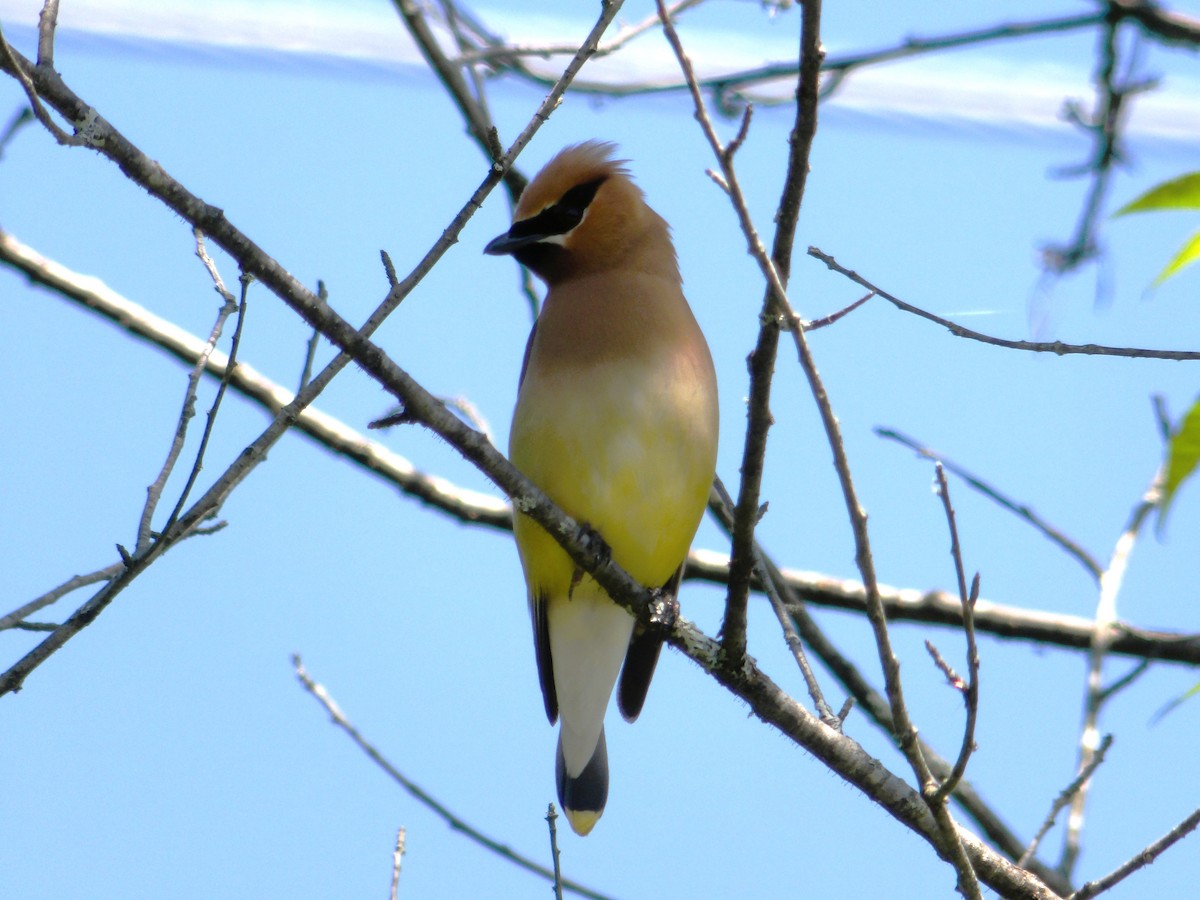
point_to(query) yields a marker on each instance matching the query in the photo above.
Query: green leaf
(1188, 254)
(1178, 193)
(1183, 455)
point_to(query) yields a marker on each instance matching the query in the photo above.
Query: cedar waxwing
(616, 421)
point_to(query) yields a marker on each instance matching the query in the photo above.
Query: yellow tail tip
(582, 820)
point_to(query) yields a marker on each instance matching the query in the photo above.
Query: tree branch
(1140, 860)
(1057, 347)
(762, 358)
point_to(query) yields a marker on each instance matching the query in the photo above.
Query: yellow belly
(629, 452)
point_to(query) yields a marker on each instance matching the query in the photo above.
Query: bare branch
(722, 506)
(861, 691)
(970, 687)
(1057, 347)
(18, 615)
(1140, 860)
(47, 23)
(1103, 632)
(471, 105)
(941, 608)
(1065, 797)
(502, 54)
(1169, 26)
(155, 491)
(840, 67)
(1023, 511)
(1105, 127)
(1125, 681)
(852, 763)
(551, 822)
(230, 367)
(732, 89)
(457, 823)
(825, 321)
(397, 858)
(202, 510)
(18, 67)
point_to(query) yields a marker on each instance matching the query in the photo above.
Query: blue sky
(168, 751)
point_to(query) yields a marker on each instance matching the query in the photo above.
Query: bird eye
(574, 203)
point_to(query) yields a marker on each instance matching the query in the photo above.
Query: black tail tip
(583, 796)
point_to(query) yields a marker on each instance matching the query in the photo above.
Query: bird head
(582, 214)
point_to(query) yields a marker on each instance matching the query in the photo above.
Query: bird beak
(508, 243)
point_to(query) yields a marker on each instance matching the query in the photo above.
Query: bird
(616, 421)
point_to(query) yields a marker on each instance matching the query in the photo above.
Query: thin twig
(552, 823)
(155, 491)
(1140, 860)
(1105, 127)
(828, 320)
(722, 505)
(953, 679)
(455, 822)
(1020, 509)
(1125, 681)
(471, 105)
(470, 413)
(1103, 632)
(230, 368)
(35, 102)
(970, 688)
(47, 23)
(202, 510)
(502, 54)
(397, 858)
(1056, 347)
(459, 29)
(53, 595)
(1065, 797)
(839, 67)
(314, 341)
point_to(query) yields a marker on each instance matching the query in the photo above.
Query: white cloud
(972, 89)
